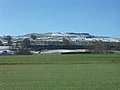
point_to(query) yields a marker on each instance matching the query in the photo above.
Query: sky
(97, 17)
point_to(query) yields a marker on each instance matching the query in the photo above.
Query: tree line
(97, 47)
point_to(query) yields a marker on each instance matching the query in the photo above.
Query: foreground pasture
(62, 72)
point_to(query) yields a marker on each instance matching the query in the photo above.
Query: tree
(26, 43)
(65, 41)
(33, 37)
(8, 38)
(1, 43)
(117, 46)
(99, 47)
(23, 51)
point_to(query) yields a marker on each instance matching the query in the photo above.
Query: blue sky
(97, 17)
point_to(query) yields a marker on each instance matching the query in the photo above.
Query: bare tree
(26, 43)
(99, 47)
(33, 37)
(1, 43)
(8, 38)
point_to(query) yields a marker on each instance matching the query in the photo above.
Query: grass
(62, 72)
(61, 59)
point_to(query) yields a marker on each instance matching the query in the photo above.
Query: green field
(60, 72)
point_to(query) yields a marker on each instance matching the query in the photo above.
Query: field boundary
(92, 62)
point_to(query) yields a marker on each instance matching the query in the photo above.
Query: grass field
(60, 72)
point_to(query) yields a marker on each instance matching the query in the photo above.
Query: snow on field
(62, 51)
